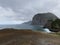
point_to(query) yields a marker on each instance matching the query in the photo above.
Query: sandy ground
(27, 37)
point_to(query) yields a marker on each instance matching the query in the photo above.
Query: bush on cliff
(55, 25)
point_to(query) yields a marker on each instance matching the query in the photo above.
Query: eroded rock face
(43, 18)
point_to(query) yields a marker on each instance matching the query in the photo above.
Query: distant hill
(29, 22)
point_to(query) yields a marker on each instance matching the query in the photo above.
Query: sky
(19, 11)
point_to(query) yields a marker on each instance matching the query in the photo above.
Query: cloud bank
(24, 10)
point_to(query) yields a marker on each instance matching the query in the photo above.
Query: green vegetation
(55, 24)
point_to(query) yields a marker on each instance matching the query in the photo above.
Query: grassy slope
(27, 37)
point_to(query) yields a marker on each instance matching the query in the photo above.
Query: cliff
(43, 18)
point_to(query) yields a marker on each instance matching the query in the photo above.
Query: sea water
(25, 26)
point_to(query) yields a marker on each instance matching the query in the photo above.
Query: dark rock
(43, 19)
(54, 30)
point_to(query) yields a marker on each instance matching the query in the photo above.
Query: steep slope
(27, 37)
(43, 18)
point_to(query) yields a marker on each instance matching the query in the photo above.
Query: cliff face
(43, 18)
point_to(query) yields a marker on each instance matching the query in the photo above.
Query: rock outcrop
(43, 18)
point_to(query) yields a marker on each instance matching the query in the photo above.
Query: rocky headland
(44, 20)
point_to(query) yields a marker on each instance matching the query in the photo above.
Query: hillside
(43, 18)
(27, 37)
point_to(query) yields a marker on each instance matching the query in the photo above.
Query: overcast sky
(18, 11)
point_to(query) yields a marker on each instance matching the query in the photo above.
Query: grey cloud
(26, 9)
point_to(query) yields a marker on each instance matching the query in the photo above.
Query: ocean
(25, 26)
